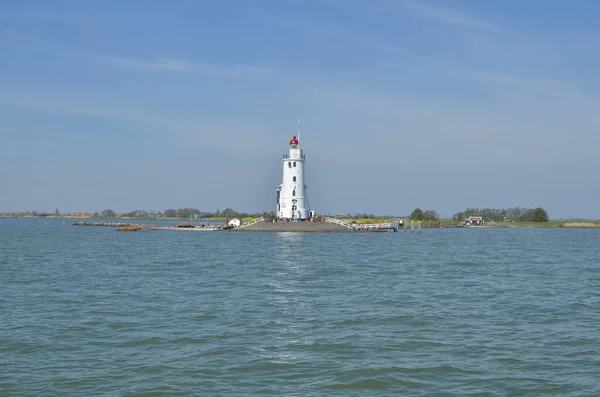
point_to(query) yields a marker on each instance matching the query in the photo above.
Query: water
(90, 311)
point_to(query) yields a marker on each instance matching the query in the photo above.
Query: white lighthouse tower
(292, 202)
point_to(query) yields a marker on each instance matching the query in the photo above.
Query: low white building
(474, 221)
(235, 222)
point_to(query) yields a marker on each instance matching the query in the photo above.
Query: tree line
(489, 214)
(185, 213)
(515, 214)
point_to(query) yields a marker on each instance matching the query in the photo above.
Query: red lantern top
(294, 141)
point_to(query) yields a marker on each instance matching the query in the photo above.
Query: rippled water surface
(455, 312)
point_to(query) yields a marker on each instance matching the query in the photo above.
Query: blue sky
(404, 103)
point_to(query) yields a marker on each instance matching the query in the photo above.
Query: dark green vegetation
(182, 213)
(427, 215)
(505, 215)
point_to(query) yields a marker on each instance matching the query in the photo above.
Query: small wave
(581, 305)
(78, 328)
(153, 369)
(205, 317)
(576, 342)
(122, 325)
(142, 342)
(66, 348)
(464, 263)
(173, 263)
(331, 346)
(69, 302)
(223, 351)
(90, 324)
(510, 360)
(399, 320)
(387, 371)
(409, 320)
(592, 353)
(190, 341)
(159, 391)
(363, 384)
(22, 347)
(442, 369)
(263, 367)
(225, 335)
(523, 385)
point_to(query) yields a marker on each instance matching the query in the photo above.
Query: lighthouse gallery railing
(293, 157)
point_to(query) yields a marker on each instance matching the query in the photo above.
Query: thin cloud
(537, 83)
(341, 33)
(450, 16)
(337, 31)
(556, 100)
(530, 117)
(37, 102)
(546, 90)
(193, 132)
(181, 66)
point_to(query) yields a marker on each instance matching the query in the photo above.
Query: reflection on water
(290, 236)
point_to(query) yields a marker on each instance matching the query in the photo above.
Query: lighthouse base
(303, 227)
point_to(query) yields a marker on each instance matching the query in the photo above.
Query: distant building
(235, 222)
(474, 221)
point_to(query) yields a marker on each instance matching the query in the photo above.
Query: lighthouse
(292, 202)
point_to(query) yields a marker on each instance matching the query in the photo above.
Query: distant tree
(187, 212)
(170, 213)
(228, 213)
(136, 214)
(108, 213)
(430, 215)
(417, 214)
(539, 215)
(459, 216)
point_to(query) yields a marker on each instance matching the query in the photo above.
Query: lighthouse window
(294, 163)
(289, 164)
(294, 192)
(294, 179)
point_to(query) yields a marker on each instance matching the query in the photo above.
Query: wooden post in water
(419, 227)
